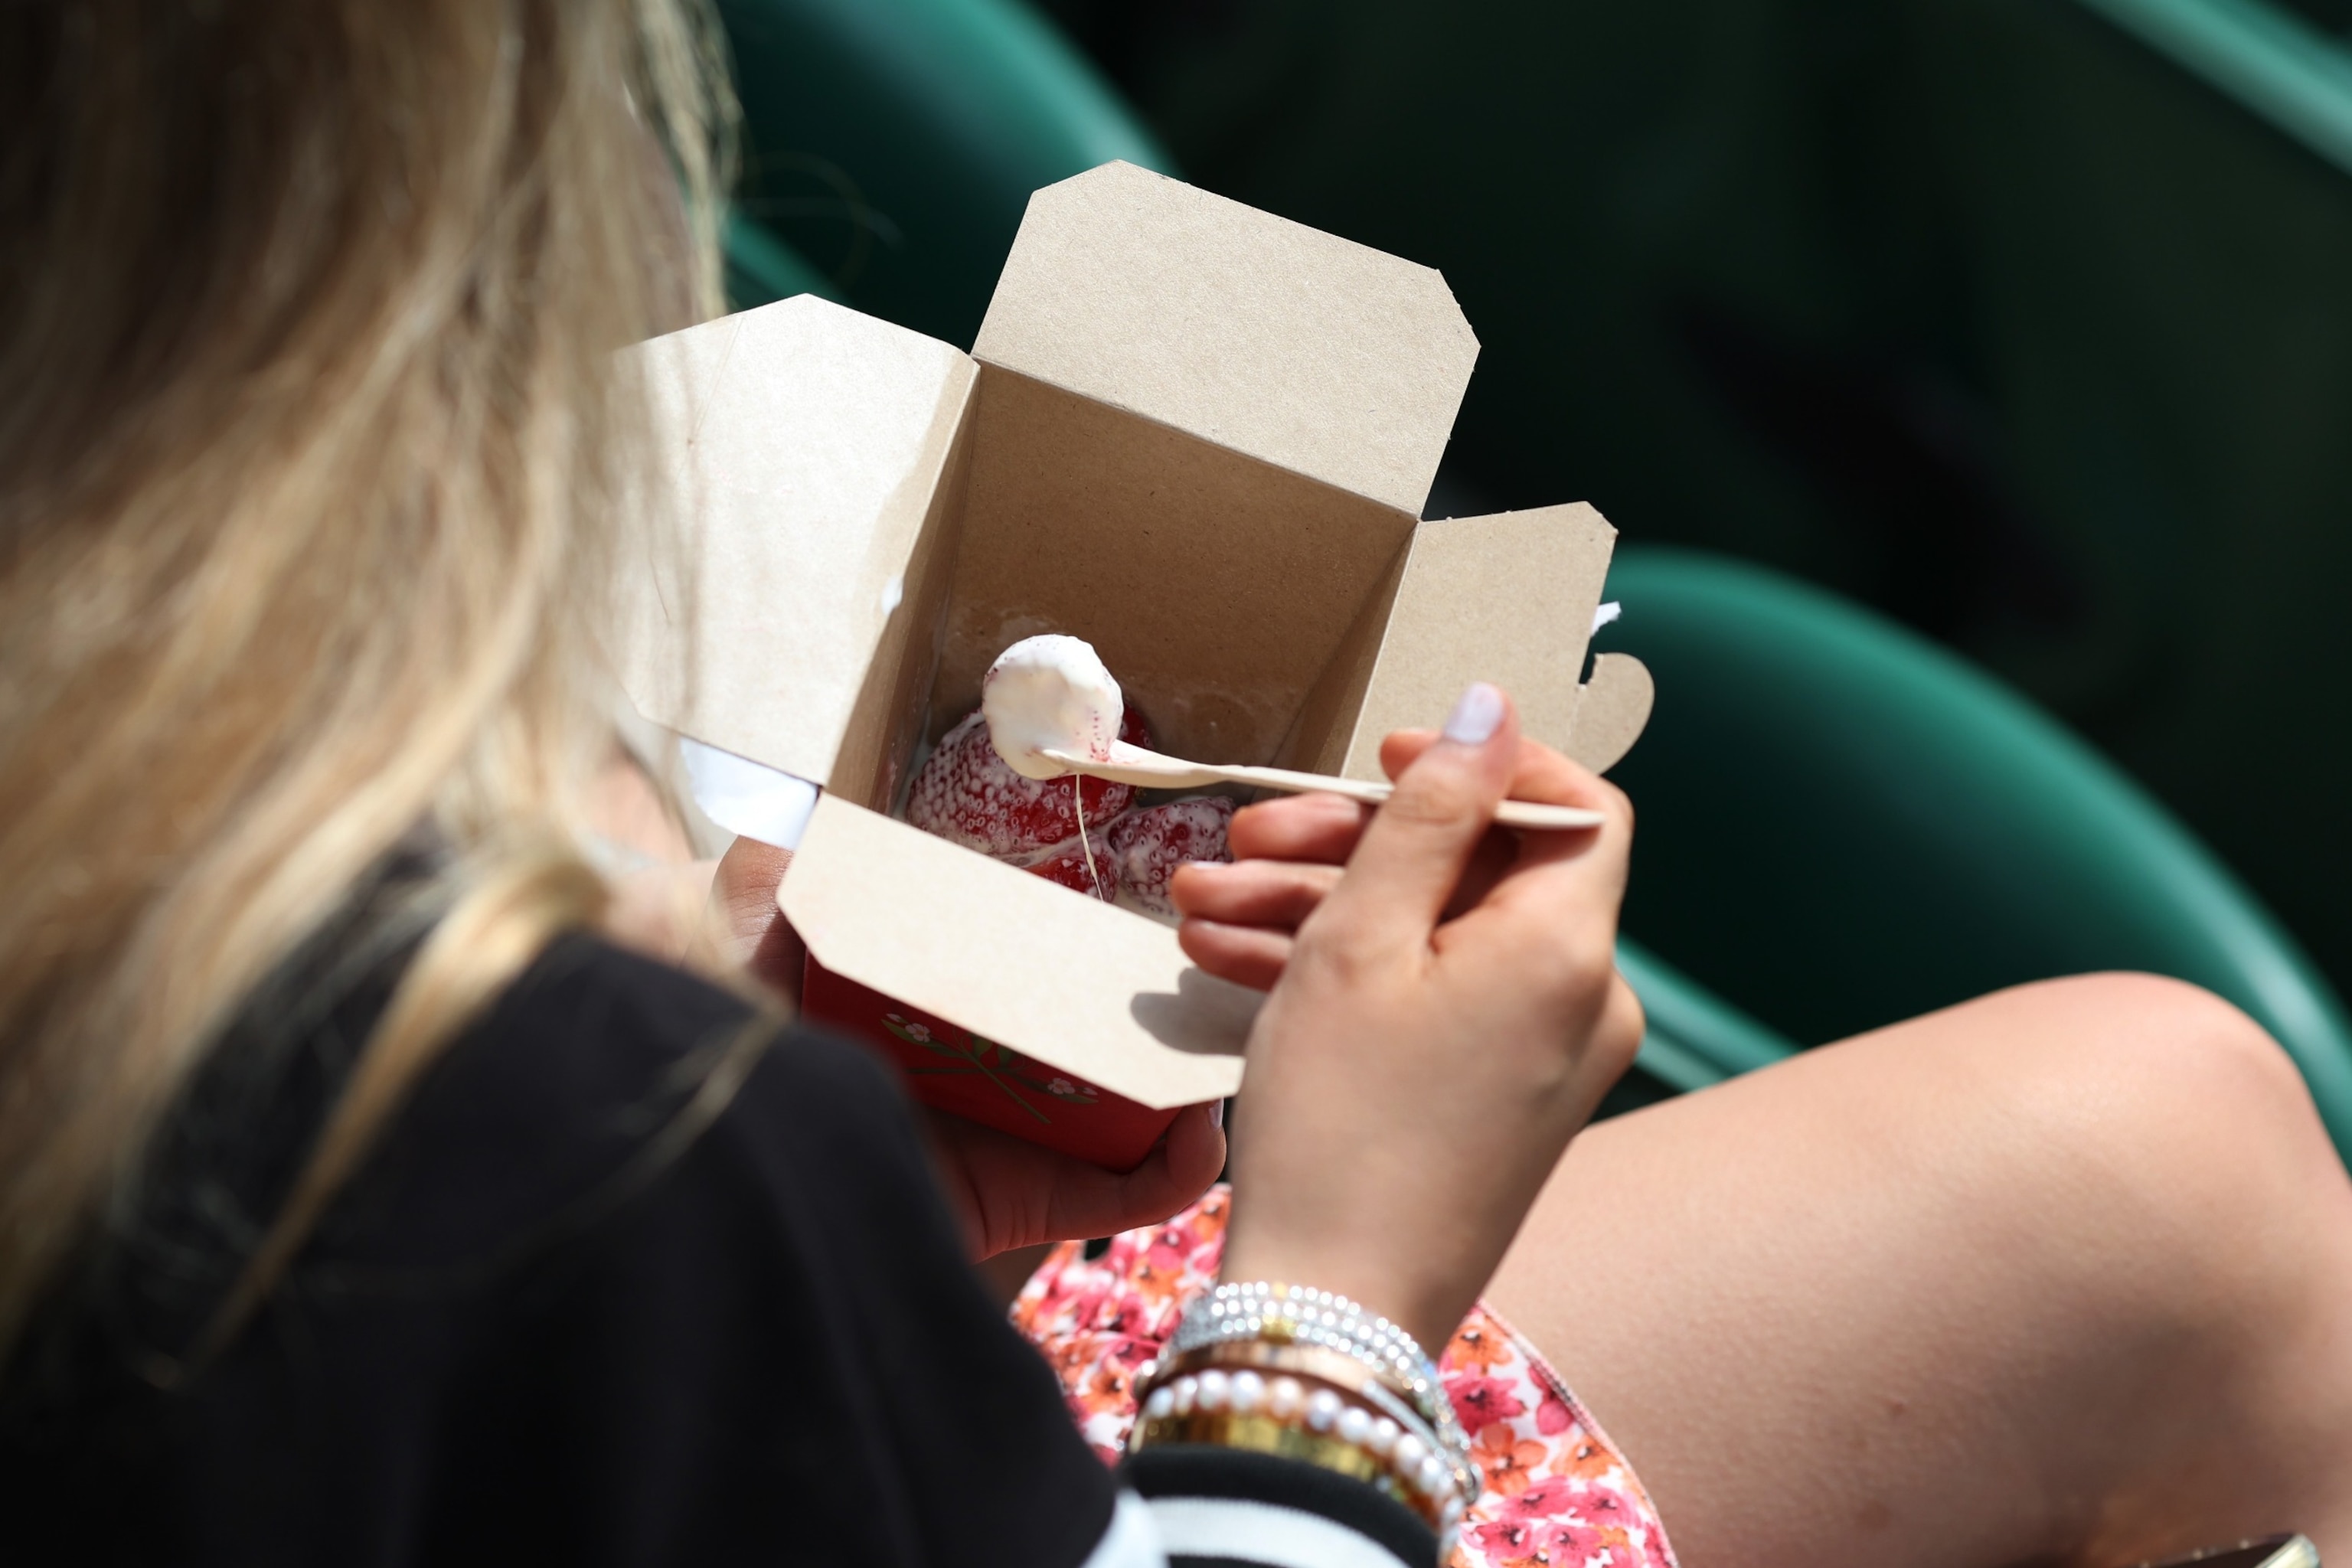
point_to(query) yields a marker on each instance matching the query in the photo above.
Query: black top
(545, 1324)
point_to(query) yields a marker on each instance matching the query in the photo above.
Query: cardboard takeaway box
(1198, 436)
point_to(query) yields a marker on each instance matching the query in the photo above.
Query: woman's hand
(1444, 1014)
(1007, 1193)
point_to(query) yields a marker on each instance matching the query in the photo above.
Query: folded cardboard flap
(1507, 598)
(1100, 993)
(1611, 711)
(807, 448)
(1304, 350)
(887, 720)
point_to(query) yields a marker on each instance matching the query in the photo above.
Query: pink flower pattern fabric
(1556, 1494)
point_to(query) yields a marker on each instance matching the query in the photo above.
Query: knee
(2174, 1118)
(2155, 1064)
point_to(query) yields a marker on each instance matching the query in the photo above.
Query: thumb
(1405, 869)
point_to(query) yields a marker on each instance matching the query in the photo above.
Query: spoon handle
(1151, 770)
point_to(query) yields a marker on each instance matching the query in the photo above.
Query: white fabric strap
(1133, 1539)
(1262, 1532)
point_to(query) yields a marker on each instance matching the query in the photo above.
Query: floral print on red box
(1558, 1494)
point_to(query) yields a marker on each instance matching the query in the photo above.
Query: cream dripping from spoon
(1048, 694)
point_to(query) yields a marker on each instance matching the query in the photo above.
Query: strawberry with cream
(967, 794)
(990, 786)
(1146, 845)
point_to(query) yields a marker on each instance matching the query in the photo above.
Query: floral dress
(1556, 1491)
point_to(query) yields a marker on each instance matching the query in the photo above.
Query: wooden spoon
(1151, 770)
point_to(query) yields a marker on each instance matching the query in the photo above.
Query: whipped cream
(1050, 693)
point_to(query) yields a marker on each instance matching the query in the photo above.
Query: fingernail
(1477, 715)
(1217, 1114)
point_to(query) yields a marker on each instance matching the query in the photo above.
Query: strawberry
(964, 793)
(1146, 846)
(1066, 864)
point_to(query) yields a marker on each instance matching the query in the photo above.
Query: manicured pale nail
(1217, 1114)
(1477, 715)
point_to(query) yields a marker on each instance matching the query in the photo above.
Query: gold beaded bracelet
(1264, 1434)
(1304, 1402)
(1386, 1407)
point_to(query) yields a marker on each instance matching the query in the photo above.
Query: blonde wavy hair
(312, 443)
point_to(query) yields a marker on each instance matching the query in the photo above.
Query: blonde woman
(358, 1202)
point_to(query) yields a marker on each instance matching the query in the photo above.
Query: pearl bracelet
(1282, 1415)
(1315, 1367)
(1284, 1314)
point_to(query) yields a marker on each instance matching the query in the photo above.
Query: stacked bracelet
(1297, 1419)
(1285, 1314)
(1311, 1376)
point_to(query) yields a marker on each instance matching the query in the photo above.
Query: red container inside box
(950, 1069)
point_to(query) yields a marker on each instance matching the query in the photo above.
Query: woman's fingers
(1009, 1192)
(1089, 1201)
(1188, 1158)
(1553, 913)
(743, 892)
(1549, 903)
(1252, 893)
(1590, 861)
(1539, 774)
(1411, 858)
(741, 928)
(1320, 827)
(1245, 955)
(1401, 748)
(1239, 917)
(1496, 853)
(1283, 893)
